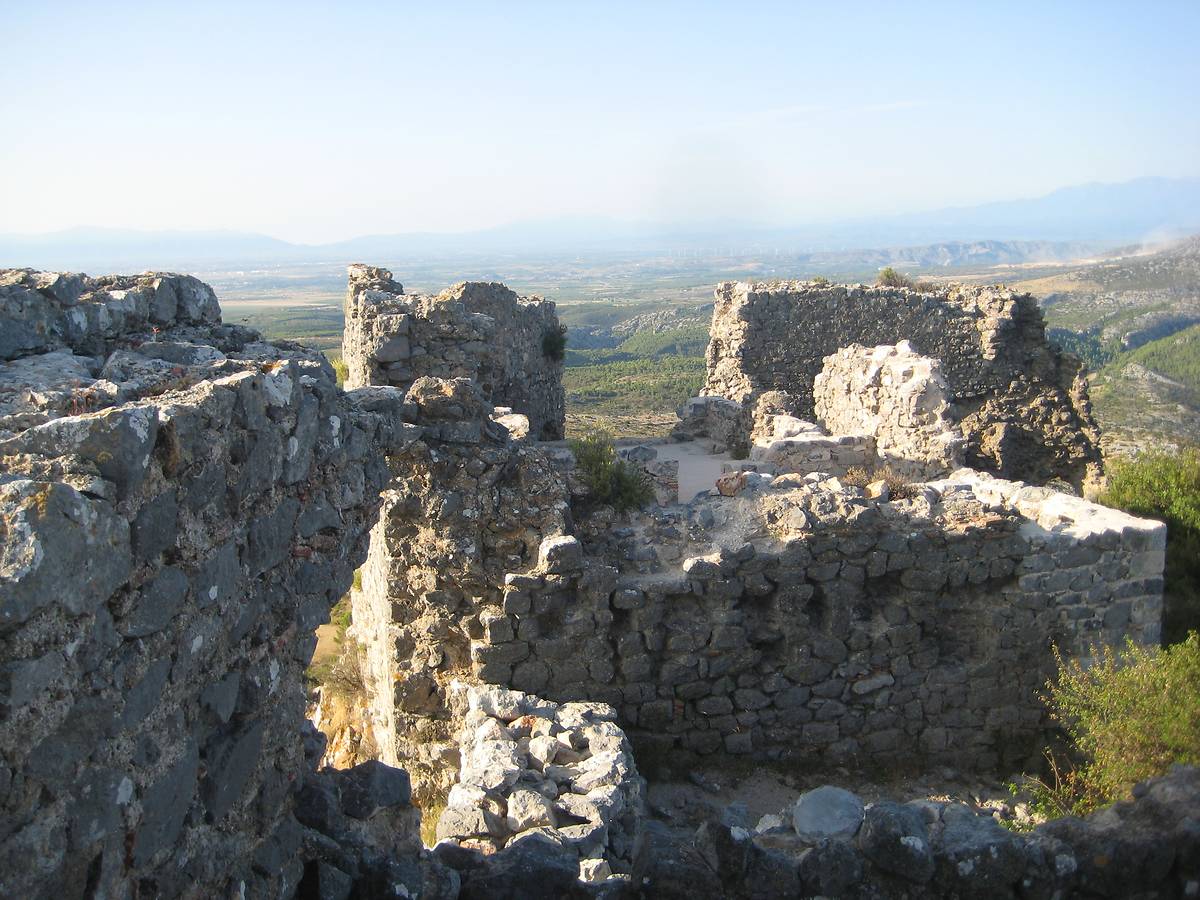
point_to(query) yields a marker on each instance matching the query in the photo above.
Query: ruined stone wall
(176, 519)
(1021, 404)
(467, 504)
(813, 622)
(796, 620)
(483, 332)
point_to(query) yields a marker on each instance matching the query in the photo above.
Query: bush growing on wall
(889, 277)
(610, 481)
(1166, 486)
(554, 343)
(1130, 715)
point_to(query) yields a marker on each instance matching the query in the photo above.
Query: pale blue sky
(322, 121)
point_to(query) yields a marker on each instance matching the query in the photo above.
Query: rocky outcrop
(1148, 847)
(1021, 404)
(510, 346)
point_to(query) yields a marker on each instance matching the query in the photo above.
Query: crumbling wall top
(1021, 403)
(482, 331)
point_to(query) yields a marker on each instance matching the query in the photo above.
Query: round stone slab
(827, 812)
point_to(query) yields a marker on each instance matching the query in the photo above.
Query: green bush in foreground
(1130, 716)
(610, 481)
(1166, 486)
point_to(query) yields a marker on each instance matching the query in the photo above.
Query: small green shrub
(554, 343)
(610, 481)
(340, 616)
(1166, 486)
(1130, 716)
(889, 277)
(819, 280)
(340, 369)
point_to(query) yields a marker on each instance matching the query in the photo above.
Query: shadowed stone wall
(170, 544)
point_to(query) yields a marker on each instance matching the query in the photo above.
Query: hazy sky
(322, 121)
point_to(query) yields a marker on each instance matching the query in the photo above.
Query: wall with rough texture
(530, 766)
(467, 504)
(797, 620)
(169, 547)
(473, 330)
(1021, 404)
(897, 397)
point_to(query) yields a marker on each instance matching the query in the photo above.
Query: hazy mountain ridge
(1085, 216)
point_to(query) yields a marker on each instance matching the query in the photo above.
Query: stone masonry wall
(473, 330)
(796, 620)
(803, 620)
(169, 545)
(1022, 405)
(467, 504)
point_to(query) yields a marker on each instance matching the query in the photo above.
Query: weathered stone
(895, 839)
(827, 812)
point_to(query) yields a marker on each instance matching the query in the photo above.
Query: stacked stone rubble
(563, 772)
(1022, 405)
(509, 346)
(175, 524)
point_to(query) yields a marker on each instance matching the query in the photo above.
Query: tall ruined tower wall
(1022, 404)
(482, 331)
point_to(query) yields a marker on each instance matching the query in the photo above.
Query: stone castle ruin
(181, 503)
(1020, 404)
(505, 344)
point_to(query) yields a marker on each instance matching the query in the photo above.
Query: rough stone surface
(1144, 848)
(157, 593)
(474, 330)
(1021, 405)
(586, 796)
(897, 397)
(827, 812)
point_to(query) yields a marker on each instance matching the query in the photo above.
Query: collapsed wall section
(1022, 405)
(468, 503)
(176, 520)
(510, 346)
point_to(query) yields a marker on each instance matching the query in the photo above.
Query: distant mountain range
(1067, 221)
